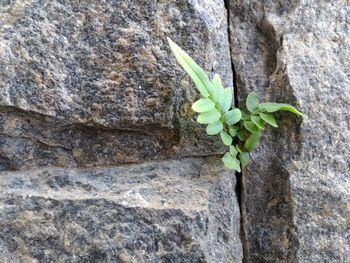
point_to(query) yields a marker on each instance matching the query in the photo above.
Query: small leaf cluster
(239, 129)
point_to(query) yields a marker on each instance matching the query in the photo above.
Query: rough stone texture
(86, 86)
(296, 197)
(172, 211)
(86, 83)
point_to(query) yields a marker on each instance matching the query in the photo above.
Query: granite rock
(75, 70)
(296, 197)
(86, 89)
(171, 211)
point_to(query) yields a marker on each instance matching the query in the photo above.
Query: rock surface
(296, 197)
(172, 211)
(94, 83)
(88, 87)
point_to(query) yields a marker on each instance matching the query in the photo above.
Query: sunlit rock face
(93, 83)
(101, 159)
(296, 198)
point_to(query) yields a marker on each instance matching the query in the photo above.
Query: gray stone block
(296, 197)
(86, 83)
(173, 211)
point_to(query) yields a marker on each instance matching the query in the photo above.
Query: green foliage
(209, 116)
(203, 105)
(273, 107)
(226, 138)
(260, 123)
(239, 129)
(252, 142)
(250, 126)
(233, 116)
(252, 102)
(268, 118)
(244, 158)
(231, 162)
(215, 127)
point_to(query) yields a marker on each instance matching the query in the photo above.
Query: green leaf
(233, 116)
(241, 135)
(273, 106)
(214, 128)
(244, 158)
(225, 101)
(252, 102)
(252, 141)
(231, 163)
(239, 148)
(209, 117)
(226, 138)
(245, 116)
(268, 117)
(233, 131)
(218, 92)
(217, 81)
(250, 126)
(203, 105)
(258, 122)
(233, 150)
(197, 74)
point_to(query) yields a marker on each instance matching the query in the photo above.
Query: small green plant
(239, 129)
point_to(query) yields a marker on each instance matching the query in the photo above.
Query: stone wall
(86, 84)
(296, 192)
(101, 159)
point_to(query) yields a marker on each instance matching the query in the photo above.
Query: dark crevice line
(239, 192)
(239, 180)
(234, 77)
(235, 89)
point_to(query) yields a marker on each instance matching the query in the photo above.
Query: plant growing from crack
(239, 129)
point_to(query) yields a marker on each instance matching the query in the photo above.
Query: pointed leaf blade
(225, 101)
(268, 117)
(273, 107)
(203, 105)
(196, 73)
(250, 126)
(260, 123)
(217, 82)
(218, 92)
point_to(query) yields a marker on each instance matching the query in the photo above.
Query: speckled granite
(174, 211)
(85, 83)
(296, 192)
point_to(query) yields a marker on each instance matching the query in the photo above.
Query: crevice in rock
(234, 76)
(239, 193)
(239, 182)
(146, 129)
